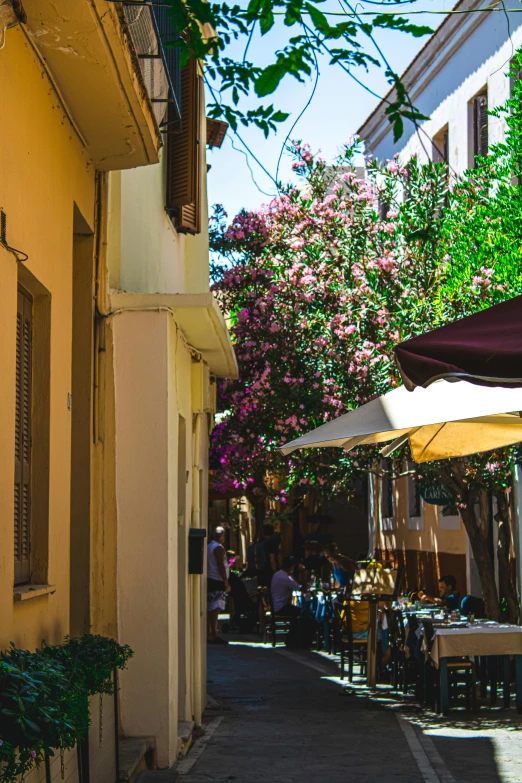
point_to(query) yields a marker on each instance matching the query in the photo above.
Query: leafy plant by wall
(44, 697)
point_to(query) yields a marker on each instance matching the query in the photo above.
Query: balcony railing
(152, 34)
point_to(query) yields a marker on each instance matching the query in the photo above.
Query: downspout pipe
(196, 578)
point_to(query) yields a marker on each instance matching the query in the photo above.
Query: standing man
(217, 583)
(267, 555)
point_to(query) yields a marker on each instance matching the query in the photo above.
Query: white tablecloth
(477, 639)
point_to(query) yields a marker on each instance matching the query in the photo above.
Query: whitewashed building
(459, 72)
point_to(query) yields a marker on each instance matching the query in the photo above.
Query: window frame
(440, 145)
(474, 133)
(415, 521)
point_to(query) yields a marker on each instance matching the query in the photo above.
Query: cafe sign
(437, 495)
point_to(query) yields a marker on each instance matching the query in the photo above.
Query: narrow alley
(279, 716)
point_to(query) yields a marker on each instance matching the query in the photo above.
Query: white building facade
(461, 71)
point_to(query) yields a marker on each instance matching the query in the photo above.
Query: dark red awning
(484, 348)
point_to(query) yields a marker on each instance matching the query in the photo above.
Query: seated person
(342, 565)
(449, 597)
(472, 605)
(282, 586)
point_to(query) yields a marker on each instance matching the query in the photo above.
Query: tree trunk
(507, 588)
(477, 529)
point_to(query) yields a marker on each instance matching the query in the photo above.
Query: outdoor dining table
(477, 640)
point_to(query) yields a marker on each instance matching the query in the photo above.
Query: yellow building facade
(105, 392)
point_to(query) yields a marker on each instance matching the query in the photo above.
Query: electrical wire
(259, 188)
(250, 36)
(504, 9)
(245, 145)
(356, 14)
(309, 101)
(440, 12)
(420, 131)
(384, 99)
(391, 70)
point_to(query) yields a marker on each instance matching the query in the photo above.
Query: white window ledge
(25, 592)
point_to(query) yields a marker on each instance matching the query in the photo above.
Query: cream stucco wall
(145, 252)
(145, 542)
(155, 592)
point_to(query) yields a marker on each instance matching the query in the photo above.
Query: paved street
(278, 718)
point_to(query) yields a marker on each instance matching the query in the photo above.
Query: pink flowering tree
(319, 286)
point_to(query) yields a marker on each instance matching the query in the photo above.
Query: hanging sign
(437, 495)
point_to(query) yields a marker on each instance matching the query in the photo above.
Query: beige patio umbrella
(444, 420)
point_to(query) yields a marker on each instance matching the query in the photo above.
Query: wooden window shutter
(480, 116)
(22, 486)
(184, 156)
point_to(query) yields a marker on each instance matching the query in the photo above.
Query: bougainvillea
(319, 286)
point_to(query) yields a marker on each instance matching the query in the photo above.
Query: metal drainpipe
(196, 578)
(101, 297)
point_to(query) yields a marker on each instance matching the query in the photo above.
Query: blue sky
(338, 108)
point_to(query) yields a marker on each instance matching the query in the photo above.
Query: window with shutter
(480, 123)
(22, 485)
(184, 156)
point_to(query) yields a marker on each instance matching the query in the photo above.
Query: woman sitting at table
(449, 597)
(343, 566)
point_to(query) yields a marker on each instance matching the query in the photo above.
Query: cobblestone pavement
(282, 717)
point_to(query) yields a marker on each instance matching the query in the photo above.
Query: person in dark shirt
(449, 597)
(267, 555)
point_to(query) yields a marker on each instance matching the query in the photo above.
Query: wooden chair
(411, 669)
(354, 618)
(461, 671)
(273, 624)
